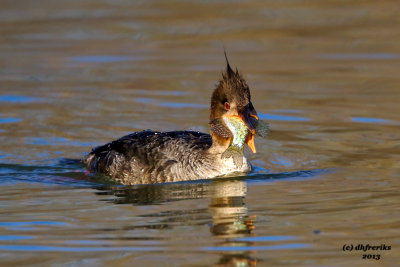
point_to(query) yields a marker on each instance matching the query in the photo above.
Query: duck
(149, 157)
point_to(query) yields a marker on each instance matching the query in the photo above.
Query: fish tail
(262, 128)
(235, 153)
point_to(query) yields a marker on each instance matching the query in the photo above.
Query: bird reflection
(228, 209)
(230, 219)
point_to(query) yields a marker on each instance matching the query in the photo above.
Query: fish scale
(239, 131)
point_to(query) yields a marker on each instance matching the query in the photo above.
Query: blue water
(362, 56)
(18, 99)
(266, 238)
(183, 105)
(77, 74)
(277, 117)
(19, 224)
(369, 120)
(76, 249)
(252, 248)
(15, 237)
(106, 58)
(9, 120)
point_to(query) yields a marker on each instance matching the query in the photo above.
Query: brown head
(232, 97)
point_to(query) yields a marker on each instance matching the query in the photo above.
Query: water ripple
(106, 58)
(265, 116)
(253, 248)
(15, 237)
(362, 56)
(17, 99)
(74, 249)
(265, 238)
(41, 223)
(182, 105)
(369, 120)
(9, 120)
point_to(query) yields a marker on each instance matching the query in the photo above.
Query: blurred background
(324, 74)
(81, 73)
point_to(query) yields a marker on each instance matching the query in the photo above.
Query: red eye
(227, 106)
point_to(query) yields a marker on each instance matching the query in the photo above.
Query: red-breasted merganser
(157, 157)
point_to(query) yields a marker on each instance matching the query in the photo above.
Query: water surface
(78, 74)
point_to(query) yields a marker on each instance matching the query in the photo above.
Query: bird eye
(227, 106)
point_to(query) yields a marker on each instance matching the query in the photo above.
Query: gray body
(157, 157)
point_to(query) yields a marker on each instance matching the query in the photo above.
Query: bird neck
(219, 144)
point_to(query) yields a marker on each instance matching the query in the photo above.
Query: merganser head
(232, 98)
